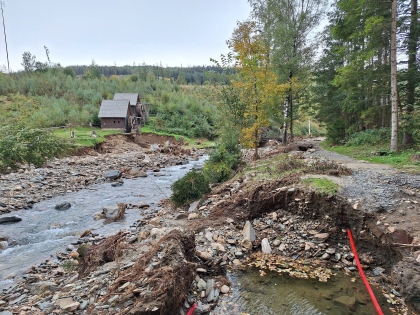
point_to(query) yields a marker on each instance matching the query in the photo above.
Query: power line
(2, 4)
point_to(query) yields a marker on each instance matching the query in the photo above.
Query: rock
(321, 236)
(366, 259)
(224, 289)
(117, 184)
(246, 243)
(143, 235)
(110, 211)
(14, 218)
(265, 246)
(218, 247)
(155, 221)
(282, 247)
(156, 233)
(3, 238)
(309, 245)
(391, 229)
(325, 256)
(113, 174)
(209, 286)
(348, 301)
(3, 245)
(192, 216)
(202, 309)
(238, 254)
(209, 236)
(6, 313)
(193, 206)
(63, 206)
(201, 285)
(201, 270)
(276, 242)
(181, 216)
(203, 255)
(248, 231)
(38, 288)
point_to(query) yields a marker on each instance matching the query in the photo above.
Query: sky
(121, 32)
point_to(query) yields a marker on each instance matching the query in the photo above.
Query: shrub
(33, 146)
(370, 137)
(189, 188)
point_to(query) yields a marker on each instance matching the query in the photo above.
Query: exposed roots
(106, 251)
(120, 215)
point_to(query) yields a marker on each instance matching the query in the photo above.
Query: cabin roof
(113, 109)
(133, 97)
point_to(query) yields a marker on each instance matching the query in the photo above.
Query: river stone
(63, 206)
(348, 301)
(321, 236)
(201, 285)
(192, 216)
(193, 206)
(3, 245)
(114, 174)
(276, 242)
(248, 231)
(117, 184)
(246, 243)
(224, 289)
(282, 247)
(110, 211)
(265, 246)
(9, 219)
(38, 288)
(2, 204)
(156, 233)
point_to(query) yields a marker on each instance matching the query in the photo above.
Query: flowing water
(44, 230)
(273, 295)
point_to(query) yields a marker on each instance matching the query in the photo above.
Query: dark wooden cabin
(116, 114)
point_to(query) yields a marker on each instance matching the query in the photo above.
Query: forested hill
(183, 75)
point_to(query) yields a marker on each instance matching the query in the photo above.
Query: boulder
(13, 218)
(113, 174)
(248, 231)
(110, 211)
(63, 206)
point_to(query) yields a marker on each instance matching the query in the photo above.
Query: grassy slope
(83, 135)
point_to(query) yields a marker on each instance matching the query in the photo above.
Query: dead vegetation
(161, 278)
(120, 214)
(108, 250)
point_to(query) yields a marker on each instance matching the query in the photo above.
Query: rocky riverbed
(174, 258)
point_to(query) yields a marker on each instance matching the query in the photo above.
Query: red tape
(362, 274)
(192, 309)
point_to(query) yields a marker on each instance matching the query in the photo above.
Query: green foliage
(69, 71)
(372, 137)
(189, 188)
(83, 135)
(134, 77)
(322, 185)
(33, 146)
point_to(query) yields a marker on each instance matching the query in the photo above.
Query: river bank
(184, 253)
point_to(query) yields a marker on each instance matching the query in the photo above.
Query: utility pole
(4, 30)
(394, 95)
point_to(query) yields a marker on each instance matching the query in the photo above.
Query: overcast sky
(174, 32)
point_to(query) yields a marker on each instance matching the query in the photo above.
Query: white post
(309, 126)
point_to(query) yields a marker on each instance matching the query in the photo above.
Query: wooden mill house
(124, 112)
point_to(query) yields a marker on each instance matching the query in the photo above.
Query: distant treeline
(190, 75)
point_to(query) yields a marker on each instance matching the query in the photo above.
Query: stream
(44, 230)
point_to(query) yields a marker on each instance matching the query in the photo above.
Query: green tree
(28, 61)
(254, 90)
(287, 27)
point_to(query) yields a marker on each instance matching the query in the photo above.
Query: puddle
(44, 230)
(273, 294)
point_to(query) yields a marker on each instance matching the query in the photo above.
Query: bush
(32, 146)
(189, 188)
(370, 137)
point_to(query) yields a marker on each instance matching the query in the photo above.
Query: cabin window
(118, 121)
(114, 121)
